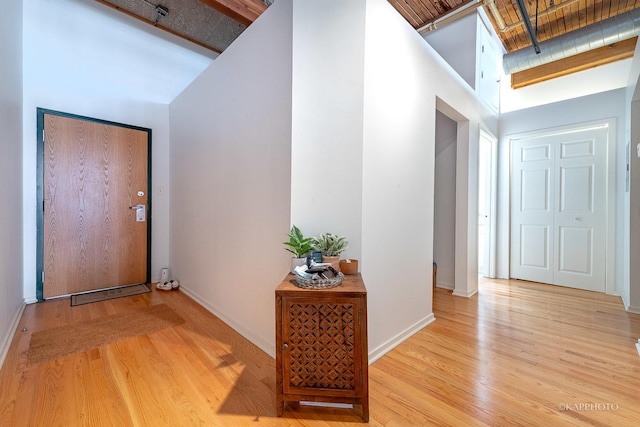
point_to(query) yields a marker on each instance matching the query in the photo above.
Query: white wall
(628, 232)
(326, 144)
(580, 110)
(604, 78)
(231, 178)
(82, 58)
(236, 144)
(11, 300)
(404, 77)
(456, 43)
(444, 229)
(382, 178)
(631, 294)
(632, 289)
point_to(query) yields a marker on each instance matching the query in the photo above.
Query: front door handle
(141, 212)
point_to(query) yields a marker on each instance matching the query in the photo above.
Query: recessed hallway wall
(444, 225)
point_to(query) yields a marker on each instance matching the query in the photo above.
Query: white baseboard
(625, 300)
(265, 346)
(269, 348)
(467, 294)
(632, 309)
(443, 285)
(377, 353)
(10, 333)
(456, 292)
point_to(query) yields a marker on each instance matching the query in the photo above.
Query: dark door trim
(40, 190)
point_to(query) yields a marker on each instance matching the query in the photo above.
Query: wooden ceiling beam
(573, 64)
(243, 11)
(158, 25)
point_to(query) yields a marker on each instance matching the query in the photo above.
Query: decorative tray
(303, 282)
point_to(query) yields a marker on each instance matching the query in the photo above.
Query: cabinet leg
(365, 410)
(279, 407)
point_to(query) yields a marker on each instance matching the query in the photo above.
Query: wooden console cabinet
(321, 344)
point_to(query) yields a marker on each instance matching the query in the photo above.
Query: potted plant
(331, 246)
(299, 246)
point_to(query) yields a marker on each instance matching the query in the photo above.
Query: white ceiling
(89, 48)
(92, 48)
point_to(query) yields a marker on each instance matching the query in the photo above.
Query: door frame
(40, 189)
(610, 196)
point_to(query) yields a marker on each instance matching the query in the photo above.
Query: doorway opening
(444, 204)
(462, 192)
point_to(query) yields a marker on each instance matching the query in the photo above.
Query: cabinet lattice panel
(321, 346)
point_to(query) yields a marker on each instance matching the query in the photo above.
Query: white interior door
(531, 210)
(485, 204)
(558, 209)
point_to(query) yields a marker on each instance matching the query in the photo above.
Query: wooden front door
(95, 219)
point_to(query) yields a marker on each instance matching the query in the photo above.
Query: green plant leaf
(298, 244)
(330, 244)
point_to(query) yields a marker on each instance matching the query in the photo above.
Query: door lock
(141, 212)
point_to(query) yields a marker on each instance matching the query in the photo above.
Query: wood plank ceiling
(216, 23)
(554, 18)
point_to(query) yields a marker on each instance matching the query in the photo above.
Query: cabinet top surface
(352, 285)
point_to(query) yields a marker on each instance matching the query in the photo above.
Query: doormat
(78, 337)
(126, 291)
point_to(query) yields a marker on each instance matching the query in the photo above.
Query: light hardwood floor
(518, 353)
